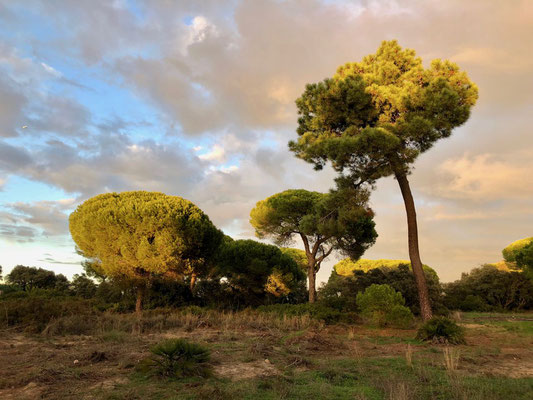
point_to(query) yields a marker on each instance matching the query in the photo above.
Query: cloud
(221, 78)
(217, 153)
(50, 216)
(486, 177)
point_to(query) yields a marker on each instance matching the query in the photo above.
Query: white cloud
(217, 154)
(51, 70)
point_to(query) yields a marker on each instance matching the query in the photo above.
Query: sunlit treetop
(510, 251)
(347, 267)
(374, 117)
(140, 234)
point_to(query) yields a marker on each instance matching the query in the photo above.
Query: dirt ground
(85, 367)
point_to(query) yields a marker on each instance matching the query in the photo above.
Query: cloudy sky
(196, 99)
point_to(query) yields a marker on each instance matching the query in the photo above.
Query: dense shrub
(441, 330)
(178, 358)
(489, 288)
(33, 312)
(383, 306)
(340, 291)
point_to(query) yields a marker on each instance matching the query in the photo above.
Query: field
(259, 356)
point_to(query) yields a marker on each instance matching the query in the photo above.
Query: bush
(383, 306)
(399, 316)
(178, 358)
(441, 330)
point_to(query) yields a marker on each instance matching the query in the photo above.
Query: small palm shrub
(383, 306)
(441, 330)
(178, 358)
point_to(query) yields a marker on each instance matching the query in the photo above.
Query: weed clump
(441, 330)
(177, 358)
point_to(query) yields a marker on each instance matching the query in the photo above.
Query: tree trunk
(414, 254)
(139, 302)
(312, 285)
(193, 281)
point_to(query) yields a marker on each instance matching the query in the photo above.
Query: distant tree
(524, 259)
(490, 288)
(83, 286)
(254, 269)
(324, 221)
(138, 236)
(61, 283)
(1, 276)
(376, 116)
(519, 254)
(28, 278)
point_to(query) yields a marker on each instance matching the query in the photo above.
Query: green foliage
(441, 330)
(489, 288)
(336, 220)
(82, 286)
(28, 278)
(510, 252)
(136, 235)
(178, 358)
(376, 116)
(298, 256)
(325, 222)
(253, 269)
(473, 303)
(340, 291)
(383, 306)
(399, 316)
(524, 259)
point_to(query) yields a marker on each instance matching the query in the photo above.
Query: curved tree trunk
(414, 254)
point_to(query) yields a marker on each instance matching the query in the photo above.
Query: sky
(196, 99)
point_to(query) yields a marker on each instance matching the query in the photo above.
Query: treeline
(491, 287)
(487, 288)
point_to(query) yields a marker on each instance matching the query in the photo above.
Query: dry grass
(351, 333)
(269, 356)
(451, 358)
(161, 320)
(409, 355)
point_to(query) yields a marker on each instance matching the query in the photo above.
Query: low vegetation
(441, 330)
(177, 358)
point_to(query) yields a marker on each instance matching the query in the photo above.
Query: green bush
(399, 316)
(178, 358)
(441, 330)
(383, 306)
